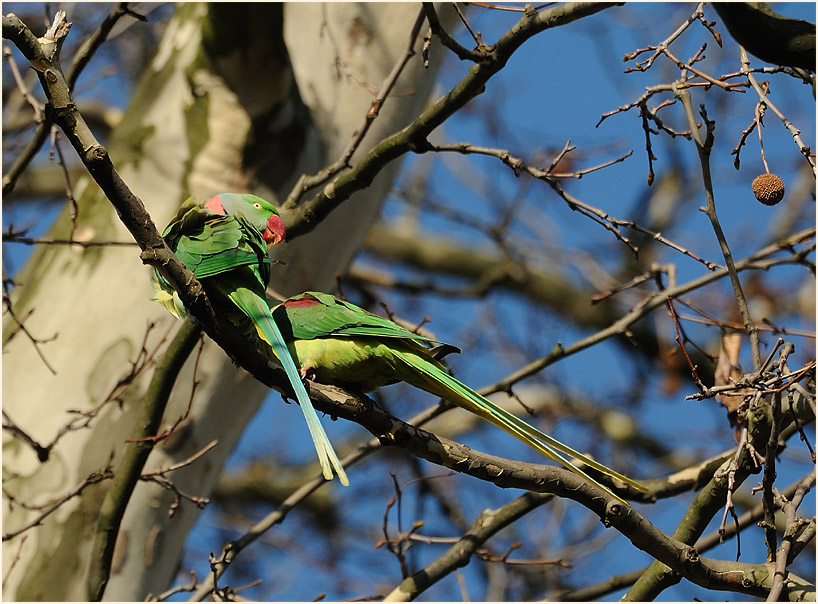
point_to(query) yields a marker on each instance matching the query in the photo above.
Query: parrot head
(257, 211)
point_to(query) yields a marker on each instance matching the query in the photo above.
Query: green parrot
(223, 242)
(335, 342)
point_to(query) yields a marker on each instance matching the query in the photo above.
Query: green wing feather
(319, 315)
(230, 257)
(353, 344)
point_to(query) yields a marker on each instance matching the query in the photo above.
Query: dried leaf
(728, 370)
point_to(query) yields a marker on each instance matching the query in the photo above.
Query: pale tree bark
(224, 105)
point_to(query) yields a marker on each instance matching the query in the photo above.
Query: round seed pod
(768, 189)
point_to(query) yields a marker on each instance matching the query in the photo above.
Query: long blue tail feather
(259, 312)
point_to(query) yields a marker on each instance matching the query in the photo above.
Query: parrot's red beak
(274, 233)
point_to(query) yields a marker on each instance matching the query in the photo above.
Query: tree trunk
(238, 97)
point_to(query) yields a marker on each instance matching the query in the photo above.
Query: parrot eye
(257, 205)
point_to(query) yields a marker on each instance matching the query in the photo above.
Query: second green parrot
(335, 342)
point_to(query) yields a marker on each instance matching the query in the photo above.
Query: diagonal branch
(487, 524)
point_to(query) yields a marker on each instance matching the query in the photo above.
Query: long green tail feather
(444, 385)
(259, 312)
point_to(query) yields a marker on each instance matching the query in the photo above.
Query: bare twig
(36, 105)
(305, 182)
(698, 14)
(136, 454)
(82, 58)
(160, 477)
(174, 590)
(769, 476)
(599, 216)
(478, 39)
(486, 525)
(11, 427)
(22, 328)
(447, 40)
(762, 95)
(15, 560)
(709, 79)
(69, 190)
(234, 548)
(413, 138)
(793, 526)
(186, 462)
(704, 147)
(650, 303)
(12, 236)
(648, 115)
(52, 506)
(705, 543)
(681, 343)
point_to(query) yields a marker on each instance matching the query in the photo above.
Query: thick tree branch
(708, 542)
(771, 37)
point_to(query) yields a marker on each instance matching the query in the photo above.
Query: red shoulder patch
(215, 205)
(302, 303)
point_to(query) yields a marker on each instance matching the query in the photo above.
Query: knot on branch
(690, 556)
(420, 144)
(613, 510)
(96, 154)
(151, 256)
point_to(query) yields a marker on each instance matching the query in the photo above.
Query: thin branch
(69, 190)
(36, 105)
(478, 39)
(10, 426)
(648, 304)
(12, 236)
(485, 526)
(796, 133)
(644, 66)
(681, 343)
(51, 507)
(597, 215)
(81, 59)
(704, 147)
(793, 524)
(277, 516)
(15, 560)
(308, 214)
(305, 182)
(447, 40)
(769, 476)
(186, 462)
(20, 322)
(92, 43)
